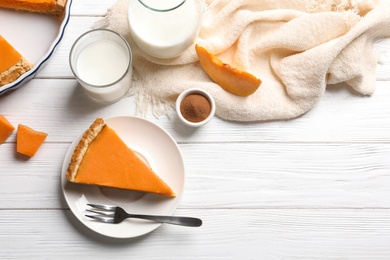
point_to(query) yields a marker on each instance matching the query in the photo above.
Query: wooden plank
(315, 187)
(90, 7)
(225, 234)
(245, 175)
(60, 108)
(302, 175)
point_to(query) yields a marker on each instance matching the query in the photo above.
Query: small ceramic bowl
(185, 119)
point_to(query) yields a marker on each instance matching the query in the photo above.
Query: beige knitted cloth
(296, 47)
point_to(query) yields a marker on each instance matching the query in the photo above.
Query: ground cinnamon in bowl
(195, 107)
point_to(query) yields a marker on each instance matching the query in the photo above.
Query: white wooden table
(316, 187)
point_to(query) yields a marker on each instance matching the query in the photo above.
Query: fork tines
(105, 213)
(103, 207)
(101, 219)
(104, 210)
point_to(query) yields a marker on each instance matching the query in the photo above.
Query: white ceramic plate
(35, 36)
(160, 150)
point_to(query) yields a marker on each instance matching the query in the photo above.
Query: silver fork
(115, 214)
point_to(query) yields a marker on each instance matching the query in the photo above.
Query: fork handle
(182, 221)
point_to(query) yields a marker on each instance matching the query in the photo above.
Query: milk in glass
(164, 28)
(102, 63)
(101, 60)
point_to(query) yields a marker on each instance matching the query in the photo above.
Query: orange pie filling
(12, 64)
(41, 6)
(101, 158)
(6, 128)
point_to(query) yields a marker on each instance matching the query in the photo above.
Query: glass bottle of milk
(164, 28)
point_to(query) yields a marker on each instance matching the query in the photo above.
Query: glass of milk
(101, 62)
(164, 28)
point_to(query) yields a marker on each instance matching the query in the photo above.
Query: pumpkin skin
(237, 82)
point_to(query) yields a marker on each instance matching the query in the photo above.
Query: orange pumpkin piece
(6, 128)
(28, 140)
(235, 81)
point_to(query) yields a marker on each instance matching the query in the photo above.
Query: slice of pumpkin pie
(12, 63)
(101, 158)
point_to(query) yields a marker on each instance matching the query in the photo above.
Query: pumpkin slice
(235, 81)
(28, 140)
(6, 128)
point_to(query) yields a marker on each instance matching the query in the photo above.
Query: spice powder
(195, 108)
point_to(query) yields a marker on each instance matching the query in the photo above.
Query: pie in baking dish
(40, 6)
(101, 158)
(12, 63)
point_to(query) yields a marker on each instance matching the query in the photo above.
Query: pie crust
(82, 148)
(39, 6)
(15, 71)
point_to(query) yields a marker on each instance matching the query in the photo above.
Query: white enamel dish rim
(30, 19)
(161, 152)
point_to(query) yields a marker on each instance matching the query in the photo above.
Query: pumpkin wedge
(233, 80)
(6, 128)
(28, 140)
